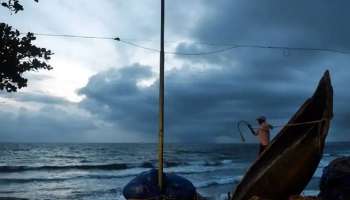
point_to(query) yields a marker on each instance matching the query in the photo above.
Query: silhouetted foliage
(19, 55)
(13, 5)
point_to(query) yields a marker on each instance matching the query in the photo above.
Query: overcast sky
(106, 91)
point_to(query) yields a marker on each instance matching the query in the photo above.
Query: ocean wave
(173, 166)
(96, 194)
(175, 163)
(152, 164)
(117, 166)
(310, 192)
(218, 163)
(122, 174)
(219, 181)
(68, 157)
(178, 163)
(198, 169)
(318, 173)
(29, 180)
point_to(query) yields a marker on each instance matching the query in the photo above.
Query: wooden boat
(288, 164)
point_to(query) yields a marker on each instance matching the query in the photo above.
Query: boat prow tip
(325, 91)
(327, 76)
(325, 86)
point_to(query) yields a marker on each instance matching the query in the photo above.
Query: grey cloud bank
(205, 95)
(200, 106)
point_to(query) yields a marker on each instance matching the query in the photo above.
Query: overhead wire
(139, 46)
(226, 47)
(72, 36)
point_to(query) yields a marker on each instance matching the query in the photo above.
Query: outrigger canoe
(288, 164)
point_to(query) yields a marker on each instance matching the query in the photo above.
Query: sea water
(100, 171)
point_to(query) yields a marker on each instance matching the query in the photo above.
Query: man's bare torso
(264, 133)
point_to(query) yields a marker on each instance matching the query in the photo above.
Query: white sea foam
(310, 192)
(218, 181)
(195, 169)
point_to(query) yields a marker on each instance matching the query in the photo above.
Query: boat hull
(288, 164)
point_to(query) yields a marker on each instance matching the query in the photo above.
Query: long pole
(161, 100)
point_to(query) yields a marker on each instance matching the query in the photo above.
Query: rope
(303, 123)
(251, 128)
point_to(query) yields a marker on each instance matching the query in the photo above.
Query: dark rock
(145, 186)
(335, 180)
(177, 187)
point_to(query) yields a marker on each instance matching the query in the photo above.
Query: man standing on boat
(263, 133)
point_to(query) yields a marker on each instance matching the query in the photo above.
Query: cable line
(139, 46)
(73, 36)
(226, 47)
(237, 46)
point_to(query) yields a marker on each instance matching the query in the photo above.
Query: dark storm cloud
(314, 24)
(307, 23)
(199, 106)
(115, 96)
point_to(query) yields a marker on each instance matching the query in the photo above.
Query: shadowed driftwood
(287, 165)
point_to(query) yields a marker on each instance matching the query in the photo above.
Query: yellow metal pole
(161, 101)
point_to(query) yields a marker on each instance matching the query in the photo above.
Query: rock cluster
(335, 180)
